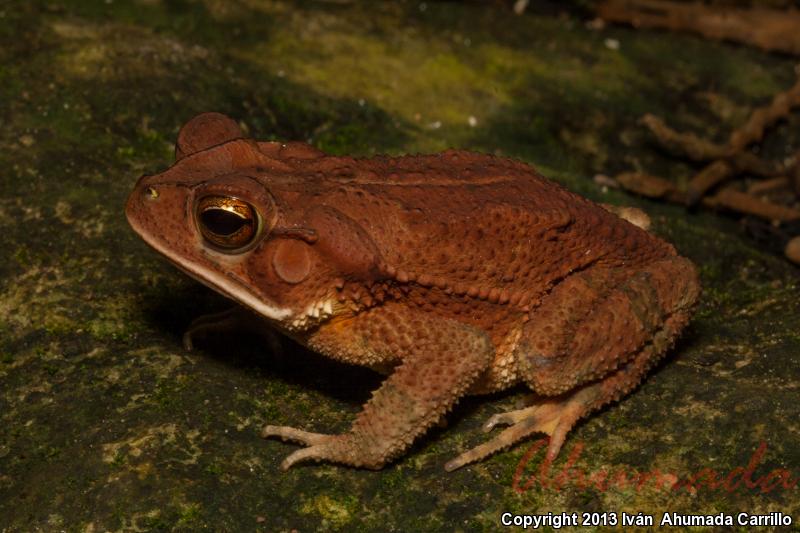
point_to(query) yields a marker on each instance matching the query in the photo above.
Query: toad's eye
(228, 223)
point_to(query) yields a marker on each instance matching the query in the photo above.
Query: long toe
(294, 435)
(306, 454)
(551, 417)
(509, 418)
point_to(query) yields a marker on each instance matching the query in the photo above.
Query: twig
(649, 186)
(746, 162)
(792, 250)
(520, 6)
(695, 148)
(683, 144)
(728, 198)
(751, 205)
(769, 29)
(794, 173)
(766, 186)
(764, 117)
(701, 150)
(712, 175)
(732, 159)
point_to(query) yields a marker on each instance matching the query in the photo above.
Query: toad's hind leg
(555, 416)
(580, 357)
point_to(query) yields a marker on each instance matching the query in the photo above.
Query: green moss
(99, 400)
(167, 394)
(215, 469)
(120, 460)
(189, 518)
(157, 523)
(334, 512)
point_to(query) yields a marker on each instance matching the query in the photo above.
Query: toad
(455, 273)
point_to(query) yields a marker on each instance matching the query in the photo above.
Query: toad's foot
(557, 415)
(316, 443)
(347, 448)
(552, 417)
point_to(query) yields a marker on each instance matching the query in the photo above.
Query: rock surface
(106, 423)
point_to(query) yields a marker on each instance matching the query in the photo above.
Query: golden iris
(226, 222)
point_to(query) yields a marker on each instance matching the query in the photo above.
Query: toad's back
(466, 217)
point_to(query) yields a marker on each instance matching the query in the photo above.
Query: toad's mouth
(212, 279)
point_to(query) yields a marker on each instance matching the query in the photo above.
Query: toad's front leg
(440, 359)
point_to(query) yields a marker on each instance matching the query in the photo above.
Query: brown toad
(456, 273)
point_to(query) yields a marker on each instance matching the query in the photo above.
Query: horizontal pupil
(222, 222)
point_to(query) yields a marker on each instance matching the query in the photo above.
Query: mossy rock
(106, 423)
